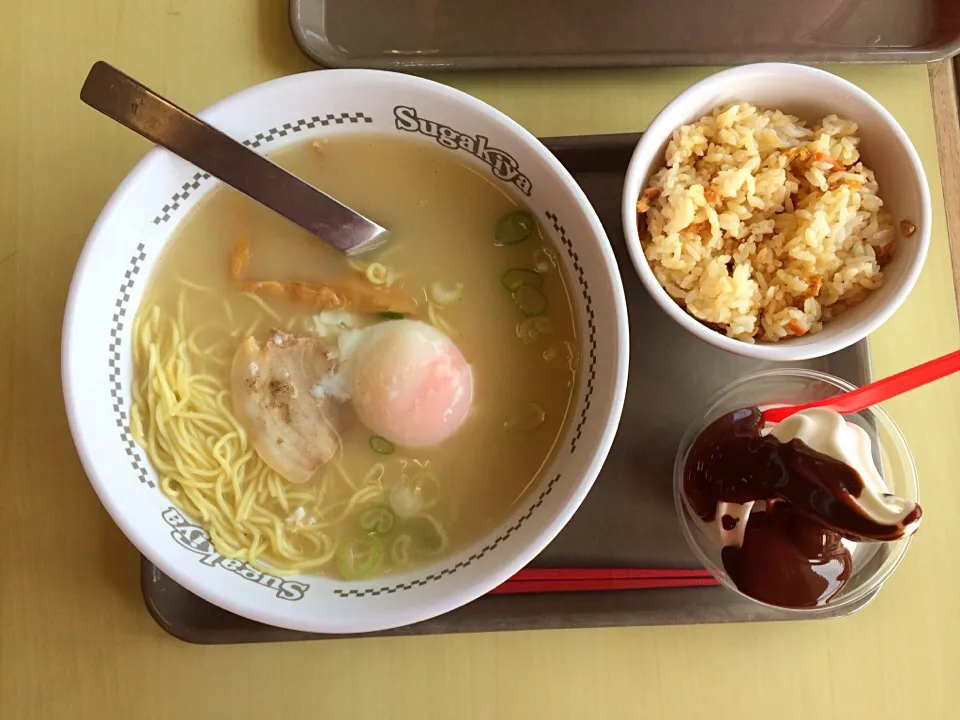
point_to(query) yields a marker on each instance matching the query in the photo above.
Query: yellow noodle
(183, 421)
(195, 286)
(301, 498)
(342, 472)
(263, 306)
(363, 495)
(436, 319)
(374, 475)
(181, 415)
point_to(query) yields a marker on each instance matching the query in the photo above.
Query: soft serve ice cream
(826, 431)
(787, 501)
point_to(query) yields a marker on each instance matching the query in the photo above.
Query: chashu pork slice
(293, 430)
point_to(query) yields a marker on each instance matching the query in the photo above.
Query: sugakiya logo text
(501, 163)
(195, 539)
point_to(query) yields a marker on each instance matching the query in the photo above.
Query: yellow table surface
(76, 640)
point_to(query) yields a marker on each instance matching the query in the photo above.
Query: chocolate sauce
(787, 560)
(792, 553)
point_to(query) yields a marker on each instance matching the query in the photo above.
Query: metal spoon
(122, 98)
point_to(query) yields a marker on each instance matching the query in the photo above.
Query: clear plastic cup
(872, 561)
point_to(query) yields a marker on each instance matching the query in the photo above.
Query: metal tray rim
(327, 56)
(592, 146)
(199, 636)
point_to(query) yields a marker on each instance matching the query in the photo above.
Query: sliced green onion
(542, 325)
(381, 445)
(359, 265)
(390, 315)
(414, 493)
(515, 278)
(336, 321)
(531, 301)
(400, 550)
(530, 330)
(377, 520)
(544, 260)
(514, 228)
(427, 534)
(406, 498)
(526, 332)
(445, 296)
(378, 274)
(530, 417)
(360, 557)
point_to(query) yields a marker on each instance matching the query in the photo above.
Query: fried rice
(763, 227)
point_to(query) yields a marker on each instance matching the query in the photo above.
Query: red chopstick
(607, 573)
(550, 580)
(598, 584)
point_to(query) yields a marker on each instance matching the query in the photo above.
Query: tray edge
(333, 59)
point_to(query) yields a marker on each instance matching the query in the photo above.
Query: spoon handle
(125, 100)
(876, 392)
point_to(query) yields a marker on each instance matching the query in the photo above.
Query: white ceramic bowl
(810, 94)
(129, 237)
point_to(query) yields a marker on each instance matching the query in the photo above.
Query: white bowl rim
(662, 126)
(488, 580)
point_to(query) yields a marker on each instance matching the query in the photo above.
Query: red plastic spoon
(876, 392)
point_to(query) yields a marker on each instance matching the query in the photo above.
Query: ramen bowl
(135, 228)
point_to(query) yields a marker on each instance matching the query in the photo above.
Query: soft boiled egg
(409, 382)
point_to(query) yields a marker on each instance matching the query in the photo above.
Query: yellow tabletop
(76, 640)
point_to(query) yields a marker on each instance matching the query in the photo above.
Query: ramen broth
(406, 505)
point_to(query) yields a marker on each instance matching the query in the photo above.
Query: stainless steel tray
(628, 519)
(499, 34)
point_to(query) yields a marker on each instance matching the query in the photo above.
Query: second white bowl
(809, 94)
